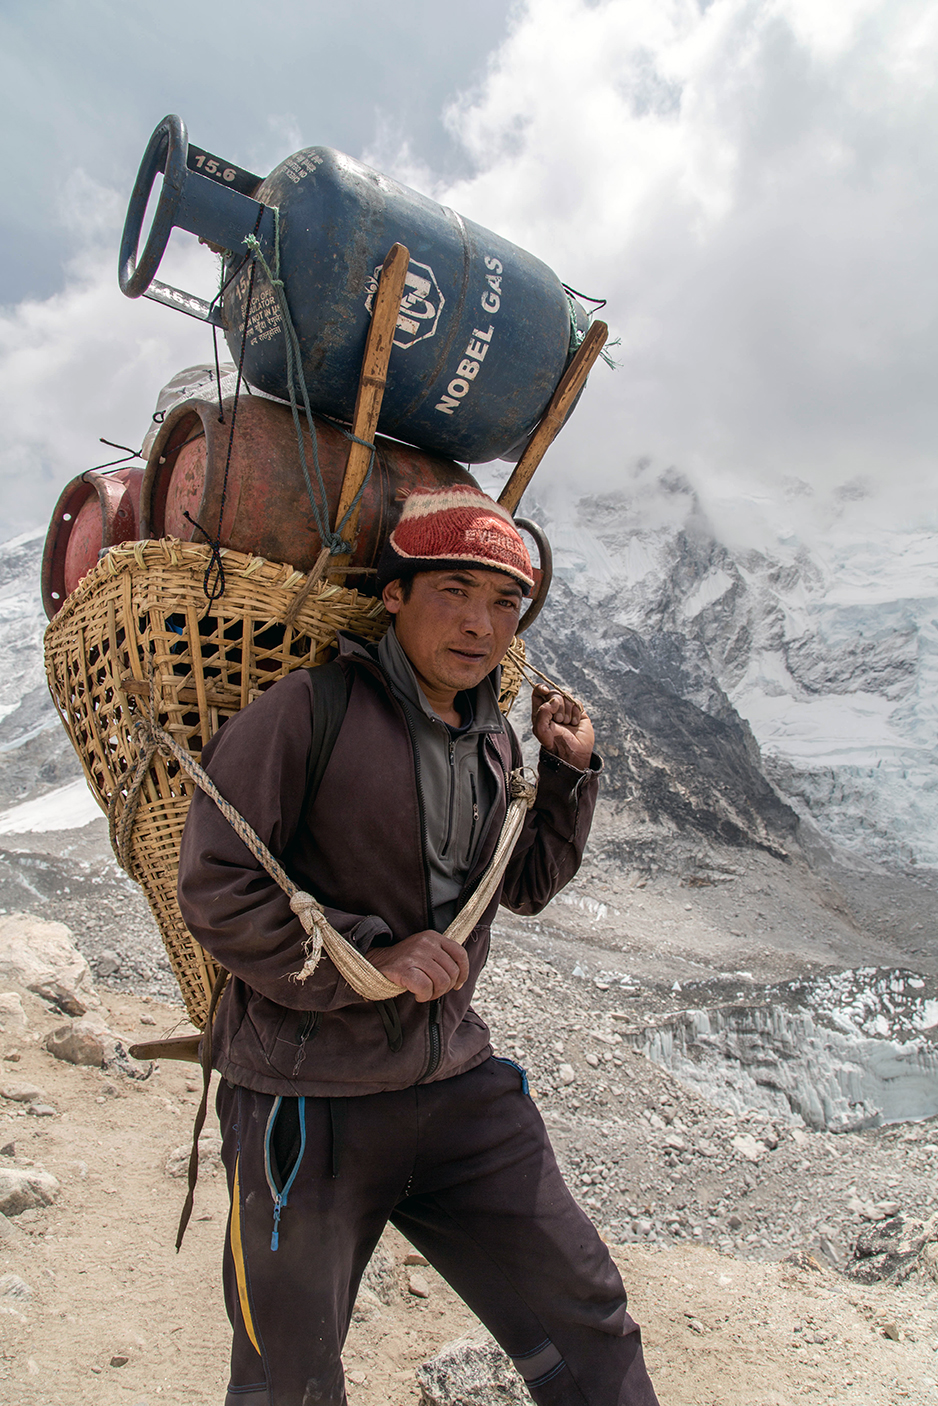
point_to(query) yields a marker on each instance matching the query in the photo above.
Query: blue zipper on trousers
(503, 1059)
(280, 1197)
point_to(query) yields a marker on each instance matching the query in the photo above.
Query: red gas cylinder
(266, 506)
(96, 511)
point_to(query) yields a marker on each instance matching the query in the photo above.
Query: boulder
(802, 1260)
(22, 1188)
(748, 1147)
(13, 1287)
(88, 1041)
(472, 1371)
(107, 963)
(20, 1092)
(890, 1250)
(367, 1307)
(12, 1015)
(9, 1231)
(42, 958)
(80, 1042)
(380, 1275)
(210, 1163)
(929, 1259)
(118, 1060)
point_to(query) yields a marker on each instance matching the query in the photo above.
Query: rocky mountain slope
(35, 754)
(812, 668)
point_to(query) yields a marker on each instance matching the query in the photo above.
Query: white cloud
(750, 183)
(752, 187)
(84, 363)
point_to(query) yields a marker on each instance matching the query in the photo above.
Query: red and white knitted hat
(445, 528)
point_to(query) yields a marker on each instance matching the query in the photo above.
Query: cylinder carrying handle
(546, 565)
(166, 152)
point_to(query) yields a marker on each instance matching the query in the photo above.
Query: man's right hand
(428, 964)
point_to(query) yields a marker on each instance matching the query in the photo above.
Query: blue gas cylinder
(485, 329)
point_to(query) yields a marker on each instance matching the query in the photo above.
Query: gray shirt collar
(400, 672)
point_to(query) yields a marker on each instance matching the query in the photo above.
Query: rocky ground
(733, 1229)
(98, 1309)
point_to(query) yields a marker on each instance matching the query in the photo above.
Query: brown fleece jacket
(359, 848)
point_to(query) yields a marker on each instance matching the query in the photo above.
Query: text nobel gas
(468, 368)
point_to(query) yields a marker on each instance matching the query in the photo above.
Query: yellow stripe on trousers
(238, 1256)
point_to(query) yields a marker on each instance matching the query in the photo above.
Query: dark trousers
(464, 1169)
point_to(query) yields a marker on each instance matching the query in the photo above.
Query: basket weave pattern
(138, 630)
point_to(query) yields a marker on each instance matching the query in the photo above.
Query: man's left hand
(562, 726)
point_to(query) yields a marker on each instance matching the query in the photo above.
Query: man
(338, 1113)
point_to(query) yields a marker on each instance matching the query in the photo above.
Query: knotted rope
(320, 934)
(333, 540)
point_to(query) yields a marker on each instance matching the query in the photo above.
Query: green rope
(336, 543)
(576, 337)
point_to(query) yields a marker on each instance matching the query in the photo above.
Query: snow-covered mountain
(711, 673)
(35, 754)
(827, 659)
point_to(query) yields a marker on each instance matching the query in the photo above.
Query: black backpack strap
(332, 685)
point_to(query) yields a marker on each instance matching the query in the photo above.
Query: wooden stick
(176, 1047)
(371, 384)
(571, 383)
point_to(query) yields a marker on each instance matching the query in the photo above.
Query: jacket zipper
(435, 1009)
(280, 1194)
(421, 810)
(467, 888)
(434, 1013)
(475, 816)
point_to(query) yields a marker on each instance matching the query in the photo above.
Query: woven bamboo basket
(138, 632)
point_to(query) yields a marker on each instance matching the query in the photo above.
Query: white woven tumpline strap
(321, 935)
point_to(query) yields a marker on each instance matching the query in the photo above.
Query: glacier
(828, 652)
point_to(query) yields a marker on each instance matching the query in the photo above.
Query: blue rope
(336, 543)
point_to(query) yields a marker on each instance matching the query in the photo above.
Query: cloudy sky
(751, 184)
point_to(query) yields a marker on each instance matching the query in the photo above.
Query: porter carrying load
(356, 828)
(163, 640)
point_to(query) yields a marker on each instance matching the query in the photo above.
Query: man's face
(455, 626)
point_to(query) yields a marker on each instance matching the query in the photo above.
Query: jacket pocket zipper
(451, 804)
(475, 817)
(308, 1029)
(435, 1034)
